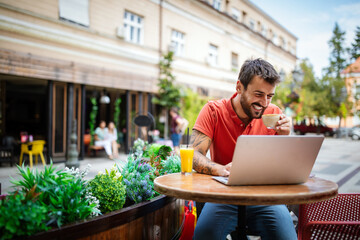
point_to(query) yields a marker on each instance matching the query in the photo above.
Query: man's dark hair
(258, 67)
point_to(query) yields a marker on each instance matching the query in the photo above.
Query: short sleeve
(206, 120)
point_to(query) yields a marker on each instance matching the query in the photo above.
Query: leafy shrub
(21, 216)
(63, 193)
(138, 180)
(158, 150)
(157, 153)
(109, 189)
(44, 180)
(171, 165)
(140, 147)
(68, 203)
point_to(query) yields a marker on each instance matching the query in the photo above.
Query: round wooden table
(202, 188)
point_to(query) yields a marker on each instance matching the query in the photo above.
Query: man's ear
(239, 87)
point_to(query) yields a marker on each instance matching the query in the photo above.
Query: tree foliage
(337, 53)
(355, 46)
(332, 81)
(168, 95)
(192, 104)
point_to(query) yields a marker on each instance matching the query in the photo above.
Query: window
(234, 60)
(293, 50)
(252, 24)
(235, 14)
(275, 39)
(264, 30)
(213, 55)
(76, 11)
(133, 25)
(282, 42)
(177, 43)
(217, 4)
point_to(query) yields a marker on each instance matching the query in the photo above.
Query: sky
(312, 22)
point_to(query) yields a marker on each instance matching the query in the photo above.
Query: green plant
(169, 95)
(157, 153)
(62, 192)
(192, 105)
(44, 180)
(22, 215)
(109, 189)
(138, 180)
(117, 112)
(140, 147)
(92, 121)
(171, 165)
(158, 150)
(68, 203)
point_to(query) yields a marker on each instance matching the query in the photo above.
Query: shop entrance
(23, 110)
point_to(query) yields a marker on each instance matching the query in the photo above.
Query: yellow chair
(36, 147)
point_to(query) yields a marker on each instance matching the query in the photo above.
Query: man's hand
(227, 169)
(201, 144)
(283, 126)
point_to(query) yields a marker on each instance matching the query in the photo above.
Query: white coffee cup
(270, 120)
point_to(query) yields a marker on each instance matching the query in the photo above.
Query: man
(217, 127)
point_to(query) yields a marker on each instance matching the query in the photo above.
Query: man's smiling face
(257, 97)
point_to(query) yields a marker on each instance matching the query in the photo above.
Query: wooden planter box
(158, 218)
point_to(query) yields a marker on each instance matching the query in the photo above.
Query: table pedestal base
(241, 228)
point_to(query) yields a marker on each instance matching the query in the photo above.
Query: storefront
(38, 101)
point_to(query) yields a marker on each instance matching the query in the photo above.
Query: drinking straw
(187, 138)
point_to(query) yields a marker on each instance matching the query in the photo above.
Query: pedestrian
(217, 127)
(101, 139)
(178, 124)
(113, 138)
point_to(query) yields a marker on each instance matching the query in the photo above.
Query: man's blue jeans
(269, 222)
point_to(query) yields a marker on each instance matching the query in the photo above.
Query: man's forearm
(202, 164)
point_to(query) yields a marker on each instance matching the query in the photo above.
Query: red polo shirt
(219, 121)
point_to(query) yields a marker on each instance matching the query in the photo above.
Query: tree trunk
(340, 121)
(338, 131)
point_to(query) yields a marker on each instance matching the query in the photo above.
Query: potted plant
(58, 204)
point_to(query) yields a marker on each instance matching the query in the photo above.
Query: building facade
(58, 55)
(351, 74)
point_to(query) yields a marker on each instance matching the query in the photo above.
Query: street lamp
(282, 74)
(297, 75)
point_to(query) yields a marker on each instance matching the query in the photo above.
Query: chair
(33, 148)
(338, 218)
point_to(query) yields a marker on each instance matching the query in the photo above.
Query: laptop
(262, 160)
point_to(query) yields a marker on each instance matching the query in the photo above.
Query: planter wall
(158, 218)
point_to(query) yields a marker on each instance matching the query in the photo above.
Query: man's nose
(264, 101)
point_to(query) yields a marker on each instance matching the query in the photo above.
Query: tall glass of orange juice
(186, 155)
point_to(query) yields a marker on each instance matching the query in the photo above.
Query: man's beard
(247, 109)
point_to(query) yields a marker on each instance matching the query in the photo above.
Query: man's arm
(201, 144)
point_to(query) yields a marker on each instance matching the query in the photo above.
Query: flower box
(158, 218)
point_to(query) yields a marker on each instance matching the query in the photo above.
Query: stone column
(72, 159)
